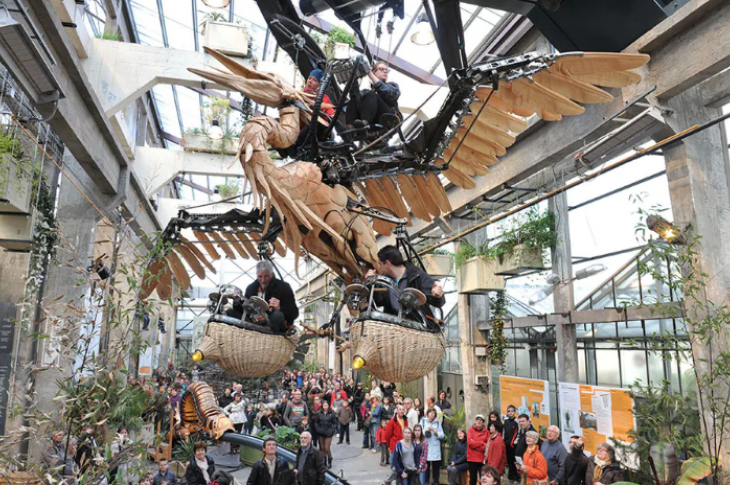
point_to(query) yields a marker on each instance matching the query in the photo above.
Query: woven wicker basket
(394, 353)
(246, 353)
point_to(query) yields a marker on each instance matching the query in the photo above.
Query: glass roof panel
(179, 23)
(147, 21)
(165, 102)
(189, 102)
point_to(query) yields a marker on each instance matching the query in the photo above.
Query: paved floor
(360, 467)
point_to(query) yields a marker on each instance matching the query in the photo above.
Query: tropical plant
(228, 190)
(211, 17)
(497, 342)
(337, 35)
(108, 35)
(451, 425)
(217, 109)
(284, 436)
(183, 450)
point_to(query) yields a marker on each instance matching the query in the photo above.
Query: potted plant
(225, 141)
(439, 263)
(338, 44)
(227, 190)
(15, 186)
(224, 36)
(475, 269)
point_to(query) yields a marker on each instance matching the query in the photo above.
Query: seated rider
(376, 105)
(278, 294)
(406, 275)
(326, 113)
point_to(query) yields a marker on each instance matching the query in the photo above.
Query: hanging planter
(16, 231)
(202, 143)
(15, 186)
(439, 265)
(225, 37)
(522, 258)
(476, 275)
(227, 191)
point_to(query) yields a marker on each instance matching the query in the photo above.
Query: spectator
(366, 421)
(418, 406)
(388, 389)
(375, 390)
(457, 464)
(490, 476)
(270, 421)
(53, 455)
(250, 419)
(283, 403)
(521, 440)
(510, 440)
(164, 474)
(494, 418)
(225, 398)
(476, 442)
(555, 454)
(434, 433)
(604, 467)
(337, 396)
(383, 444)
(304, 426)
(431, 403)
(326, 426)
(201, 466)
(316, 406)
(176, 397)
(394, 434)
(344, 415)
(376, 416)
(270, 470)
(296, 409)
(358, 396)
(496, 453)
(420, 439)
(87, 449)
(406, 457)
(411, 413)
(533, 467)
(387, 409)
(310, 466)
(577, 469)
(237, 412)
(442, 402)
(120, 472)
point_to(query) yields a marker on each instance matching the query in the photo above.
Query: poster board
(595, 413)
(529, 396)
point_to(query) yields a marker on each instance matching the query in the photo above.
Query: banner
(595, 413)
(529, 396)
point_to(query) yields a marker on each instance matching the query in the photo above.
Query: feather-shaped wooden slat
(164, 286)
(572, 88)
(437, 189)
(426, 196)
(471, 156)
(279, 248)
(236, 244)
(497, 118)
(207, 245)
(459, 178)
(221, 240)
(248, 245)
(395, 197)
(198, 254)
(475, 137)
(538, 95)
(600, 62)
(619, 79)
(178, 269)
(192, 261)
(412, 197)
(489, 132)
(374, 200)
(152, 278)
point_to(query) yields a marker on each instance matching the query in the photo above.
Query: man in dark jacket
(226, 398)
(370, 106)
(406, 275)
(525, 425)
(278, 294)
(510, 440)
(358, 394)
(576, 470)
(271, 470)
(310, 467)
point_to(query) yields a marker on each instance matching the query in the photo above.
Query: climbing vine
(497, 340)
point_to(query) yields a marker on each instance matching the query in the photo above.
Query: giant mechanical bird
(332, 201)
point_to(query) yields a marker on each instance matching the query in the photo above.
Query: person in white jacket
(237, 412)
(434, 433)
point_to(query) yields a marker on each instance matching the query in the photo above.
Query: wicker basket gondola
(394, 353)
(246, 353)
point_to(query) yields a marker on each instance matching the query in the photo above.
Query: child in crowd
(380, 438)
(250, 419)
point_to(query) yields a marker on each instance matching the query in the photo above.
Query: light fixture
(424, 34)
(24, 61)
(198, 356)
(553, 280)
(215, 132)
(666, 230)
(358, 362)
(217, 3)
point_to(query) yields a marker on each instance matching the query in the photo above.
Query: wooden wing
(196, 254)
(550, 94)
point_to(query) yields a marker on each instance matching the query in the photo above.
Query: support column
(565, 334)
(697, 170)
(476, 400)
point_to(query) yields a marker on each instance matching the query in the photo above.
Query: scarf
(203, 465)
(598, 469)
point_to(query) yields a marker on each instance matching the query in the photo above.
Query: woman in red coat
(496, 453)
(476, 443)
(533, 465)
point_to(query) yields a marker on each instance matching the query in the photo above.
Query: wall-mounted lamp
(554, 280)
(666, 230)
(215, 132)
(423, 34)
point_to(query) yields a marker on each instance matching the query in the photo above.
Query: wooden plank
(572, 88)
(601, 62)
(544, 98)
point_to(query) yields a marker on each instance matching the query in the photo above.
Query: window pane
(633, 367)
(608, 365)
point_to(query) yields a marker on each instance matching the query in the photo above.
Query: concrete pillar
(476, 399)
(697, 169)
(567, 347)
